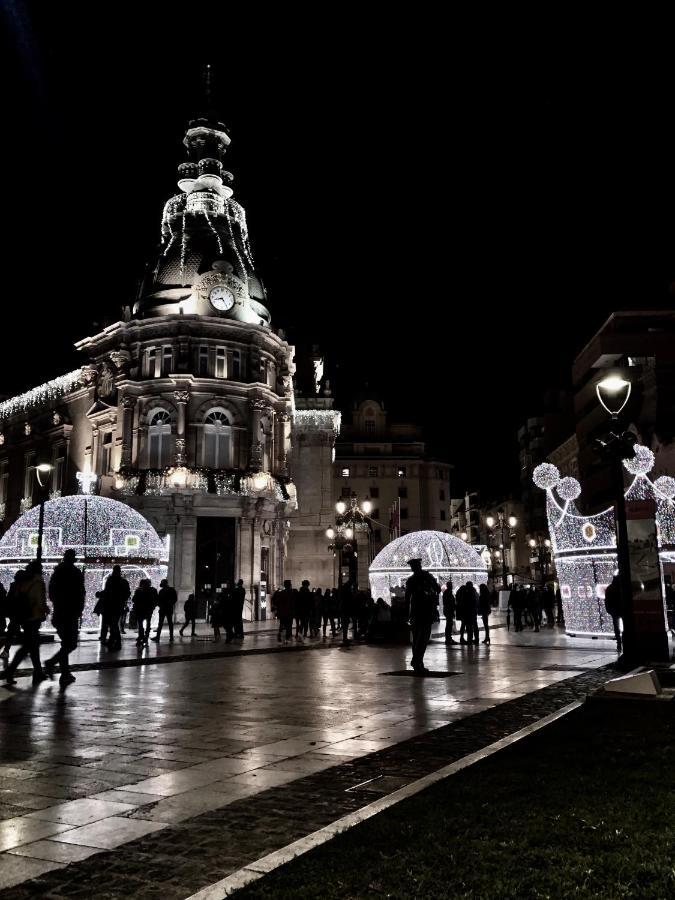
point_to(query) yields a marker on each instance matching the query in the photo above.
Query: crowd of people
(313, 612)
(528, 606)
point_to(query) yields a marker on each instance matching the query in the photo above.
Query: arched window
(159, 438)
(217, 444)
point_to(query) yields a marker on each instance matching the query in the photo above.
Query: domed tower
(204, 263)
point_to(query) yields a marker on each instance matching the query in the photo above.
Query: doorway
(215, 559)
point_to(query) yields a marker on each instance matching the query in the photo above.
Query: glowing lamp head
(464, 535)
(513, 521)
(330, 533)
(349, 533)
(259, 481)
(340, 506)
(367, 507)
(613, 393)
(179, 477)
(547, 543)
(490, 521)
(43, 471)
(532, 542)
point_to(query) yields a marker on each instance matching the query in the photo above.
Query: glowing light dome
(102, 532)
(447, 558)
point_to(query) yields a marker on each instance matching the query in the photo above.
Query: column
(255, 454)
(283, 426)
(182, 398)
(128, 403)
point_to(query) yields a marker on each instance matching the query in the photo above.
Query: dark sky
(449, 212)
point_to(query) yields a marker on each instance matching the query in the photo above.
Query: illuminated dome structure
(102, 532)
(447, 558)
(584, 547)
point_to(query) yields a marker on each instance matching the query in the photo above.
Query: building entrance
(215, 559)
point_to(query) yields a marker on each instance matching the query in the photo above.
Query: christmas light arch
(101, 531)
(584, 547)
(447, 558)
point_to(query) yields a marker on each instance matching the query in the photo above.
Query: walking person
(144, 603)
(613, 607)
(228, 613)
(116, 593)
(421, 593)
(239, 598)
(347, 610)
(485, 606)
(449, 613)
(190, 613)
(548, 604)
(472, 606)
(67, 595)
(3, 609)
(303, 611)
(284, 603)
(31, 612)
(218, 616)
(12, 608)
(328, 612)
(461, 611)
(166, 600)
(317, 610)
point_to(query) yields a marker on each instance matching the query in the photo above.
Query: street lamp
(350, 519)
(502, 526)
(44, 473)
(613, 393)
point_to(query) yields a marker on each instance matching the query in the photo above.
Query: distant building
(387, 462)
(503, 549)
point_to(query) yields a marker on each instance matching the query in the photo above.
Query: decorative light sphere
(666, 485)
(569, 488)
(642, 463)
(546, 476)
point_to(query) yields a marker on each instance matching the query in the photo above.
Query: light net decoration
(447, 558)
(546, 476)
(642, 463)
(584, 547)
(102, 532)
(568, 488)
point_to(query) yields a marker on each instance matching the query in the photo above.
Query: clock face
(221, 298)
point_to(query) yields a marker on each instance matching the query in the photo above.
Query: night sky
(450, 214)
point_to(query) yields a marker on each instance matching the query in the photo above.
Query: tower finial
(207, 85)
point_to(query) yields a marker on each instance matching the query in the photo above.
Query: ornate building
(184, 410)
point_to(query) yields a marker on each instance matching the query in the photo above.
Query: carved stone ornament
(27, 428)
(128, 402)
(56, 418)
(88, 374)
(208, 280)
(120, 359)
(106, 381)
(181, 396)
(256, 455)
(262, 405)
(180, 451)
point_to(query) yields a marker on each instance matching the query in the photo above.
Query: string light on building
(43, 393)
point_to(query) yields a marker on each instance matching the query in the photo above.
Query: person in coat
(144, 603)
(470, 612)
(166, 600)
(190, 613)
(284, 604)
(449, 612)
(485, 608)
(31, 611)
(613, 607)
(238, 600)
(421, 593)
(327, 612)
(116, 593)
(67, 595)
(13, 628)
(303, 611)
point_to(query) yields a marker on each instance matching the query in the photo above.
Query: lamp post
(44, 474)
(613, 393)
(351, 517)
(501, 526)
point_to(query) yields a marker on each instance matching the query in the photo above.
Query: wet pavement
(233, 755)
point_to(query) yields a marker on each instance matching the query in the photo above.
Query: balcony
(181, 479)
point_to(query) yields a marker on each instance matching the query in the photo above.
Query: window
(374, 493)
(403, 493)
(167, 359)
(150, 362)
(203, 369)
(442, 515)
(370, 426)
(221, 363)
(441, 494)
(4, 477)
(106, 454)
(401, 471)
(372, 471)
(159, 436)
(345, 472)
(236, 365)
(217, 446)
(404, 512)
